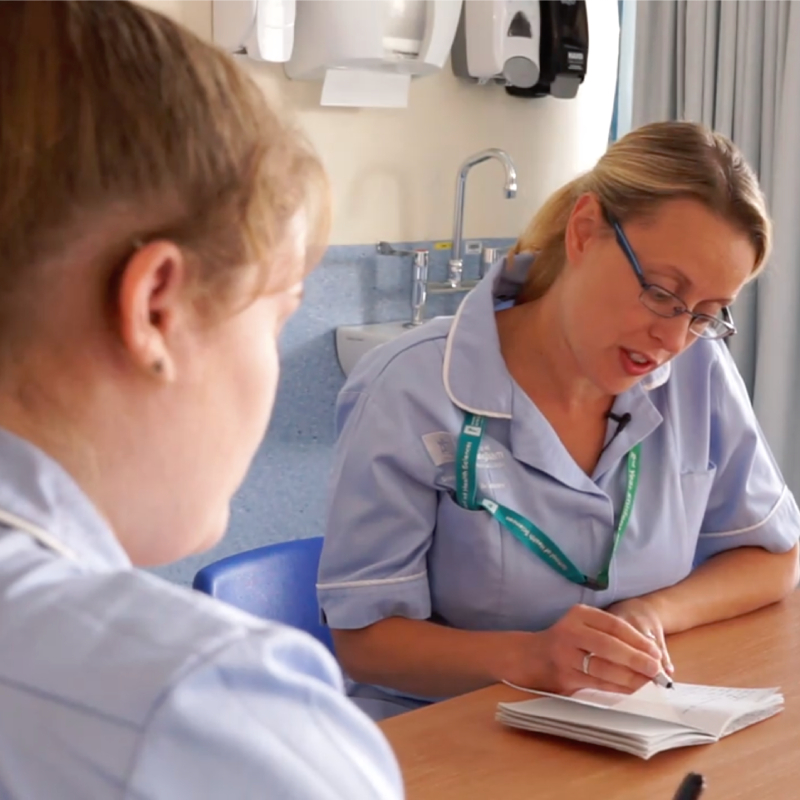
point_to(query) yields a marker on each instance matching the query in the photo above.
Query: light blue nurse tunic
(115, 685)
(398, 544)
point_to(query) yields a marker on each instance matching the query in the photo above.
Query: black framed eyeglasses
(668, 305)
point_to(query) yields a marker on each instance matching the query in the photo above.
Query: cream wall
(393, 171)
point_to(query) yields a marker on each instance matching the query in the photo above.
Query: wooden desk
(456, 750)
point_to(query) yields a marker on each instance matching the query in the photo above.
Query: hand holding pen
(642, 615)
(586, 648)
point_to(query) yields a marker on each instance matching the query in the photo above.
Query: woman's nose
(673, 333)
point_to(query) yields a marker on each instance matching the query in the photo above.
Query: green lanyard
(532, 537)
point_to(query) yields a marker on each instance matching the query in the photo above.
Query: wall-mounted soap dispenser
(263, 29)
(498, 40)
(564, 50)
(366, 51)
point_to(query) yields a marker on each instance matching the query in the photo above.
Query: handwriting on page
(690, 695)
(705, 708)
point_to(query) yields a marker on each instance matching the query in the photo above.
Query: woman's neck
(541, 361)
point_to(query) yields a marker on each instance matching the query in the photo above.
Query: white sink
(352, 341)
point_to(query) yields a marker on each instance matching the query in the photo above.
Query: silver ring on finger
(586, 659)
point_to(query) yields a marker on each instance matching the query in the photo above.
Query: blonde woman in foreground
(156, 222)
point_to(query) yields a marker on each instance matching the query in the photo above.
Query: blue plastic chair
(276, 582)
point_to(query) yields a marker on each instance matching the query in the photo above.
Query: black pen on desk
(691, 787)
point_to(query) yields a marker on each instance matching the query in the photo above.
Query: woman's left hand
(642, 615)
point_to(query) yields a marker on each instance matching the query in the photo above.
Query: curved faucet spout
(509, 189)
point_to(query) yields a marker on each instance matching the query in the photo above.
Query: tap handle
(488, 256)
(420, 264)
(419, 254)
(385, 249)
(421, 258)
(419, 286)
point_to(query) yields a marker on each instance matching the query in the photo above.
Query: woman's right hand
(622, 660)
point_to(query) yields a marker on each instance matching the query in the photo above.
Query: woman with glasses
(543, 488)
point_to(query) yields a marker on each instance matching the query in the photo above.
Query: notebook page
(583, 697)
(631, 733)
(710, 709)
(560, 710)
(707, 708)
(653, 708)
(753, 717)
(645, 703)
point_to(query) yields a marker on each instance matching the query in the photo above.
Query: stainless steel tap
(456, 264)
(419, 281)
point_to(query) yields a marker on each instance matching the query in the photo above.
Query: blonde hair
(120, 125)
(650, 165)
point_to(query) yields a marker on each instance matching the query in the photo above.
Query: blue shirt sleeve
(381, 516)
(749, 503)
(263, 718)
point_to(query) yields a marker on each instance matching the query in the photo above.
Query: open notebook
(646, 722)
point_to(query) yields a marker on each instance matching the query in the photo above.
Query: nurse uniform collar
(488, 391)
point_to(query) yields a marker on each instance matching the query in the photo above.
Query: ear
(585, 225)
(151, 304)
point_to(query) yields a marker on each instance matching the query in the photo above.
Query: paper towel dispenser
(563, 50)
(498, 41)
(367, 51)
(263, 29)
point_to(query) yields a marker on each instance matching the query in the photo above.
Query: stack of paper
(648, 721)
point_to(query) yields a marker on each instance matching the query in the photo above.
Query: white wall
(393, 171)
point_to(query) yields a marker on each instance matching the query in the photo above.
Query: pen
(662, 679)
(691, 787)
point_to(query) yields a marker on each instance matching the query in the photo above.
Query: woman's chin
(215, 534)
(614, 382)
(211, 534)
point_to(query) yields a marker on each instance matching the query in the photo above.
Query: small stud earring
(157, 366)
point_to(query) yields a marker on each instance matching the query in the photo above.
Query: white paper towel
(364, 88)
